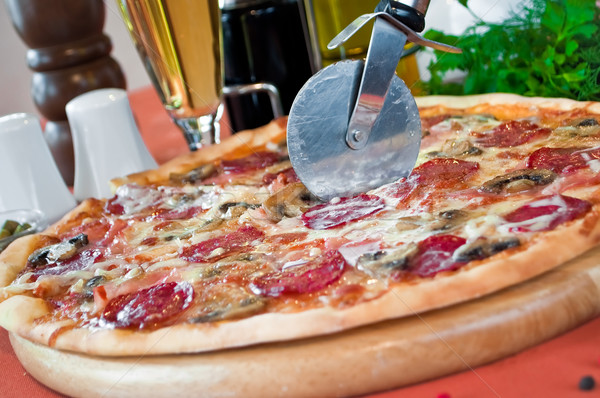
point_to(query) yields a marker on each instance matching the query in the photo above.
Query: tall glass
(179, 43)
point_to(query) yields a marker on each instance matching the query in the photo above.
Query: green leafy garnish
(546, 48)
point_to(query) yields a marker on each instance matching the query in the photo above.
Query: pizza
(225, 247)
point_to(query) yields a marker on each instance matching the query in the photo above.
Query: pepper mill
(69, 55)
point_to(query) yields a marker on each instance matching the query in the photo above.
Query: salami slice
(149, 307)
(546, 213)
(304, 278)
(512, 133)
(337, 213)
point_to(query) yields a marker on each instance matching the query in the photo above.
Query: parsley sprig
(545, 48)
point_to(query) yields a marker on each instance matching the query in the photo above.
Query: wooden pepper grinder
(69, 56)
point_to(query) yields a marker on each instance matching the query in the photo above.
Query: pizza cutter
(354, 125)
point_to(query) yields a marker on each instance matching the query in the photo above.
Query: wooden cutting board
(373, 358)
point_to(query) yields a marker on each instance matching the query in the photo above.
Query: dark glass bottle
(263, 42)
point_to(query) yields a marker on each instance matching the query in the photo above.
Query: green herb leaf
(545, 48)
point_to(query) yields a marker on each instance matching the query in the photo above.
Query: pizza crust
(505, 269)
(517, 103)
(244, 141)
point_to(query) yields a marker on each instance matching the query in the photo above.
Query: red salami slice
(305, 278)
(546, 213)
(255, 161)
(149, 307)
(444, 172)
(337, 213)
(178, 213)
(232, 243)
(434, 255)
(436, 173)
(133, 198)
(512, 133)
(114, 207)
(428, 122)
(563, 160)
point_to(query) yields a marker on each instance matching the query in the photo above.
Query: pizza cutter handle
(409, 12)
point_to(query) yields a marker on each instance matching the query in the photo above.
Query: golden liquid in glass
(332, 16)
(178, 41)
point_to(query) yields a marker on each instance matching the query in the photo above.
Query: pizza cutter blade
(317, 128)
(354, 125)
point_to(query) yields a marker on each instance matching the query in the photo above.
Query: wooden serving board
(367, 359)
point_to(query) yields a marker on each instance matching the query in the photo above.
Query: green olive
(21, 227)
(10, 226)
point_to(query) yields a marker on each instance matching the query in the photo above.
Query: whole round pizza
(226, 248)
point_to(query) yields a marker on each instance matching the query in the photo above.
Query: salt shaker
(106, 141)
(29, 178)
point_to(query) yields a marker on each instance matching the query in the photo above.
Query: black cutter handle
(409, 12)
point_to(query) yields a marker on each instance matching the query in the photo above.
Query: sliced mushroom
(408, 223)
(579, 128)
(88, 288)
(381, 263)
(236, 209)
(290, 201)
(229, 303)
(442, 222)
(197, 174)
(484, 248)
(447, 219)
(458, 148)
(519, 181)
(57, 252)
(588, 122)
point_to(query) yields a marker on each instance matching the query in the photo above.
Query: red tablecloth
(551, 369)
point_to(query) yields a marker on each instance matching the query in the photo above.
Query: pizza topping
(443, 221)
(512, 133)
(381, 263)
(57, 252)
(564, 160)
(484, 248)
(290, 201)
(225, 301)
(286, 176)
(587, 122)
(197, 174)
(457, 148)
(545, 214)
(132, 199)
(340, 212)
(149, 307)
(444, 172)
(80, 261)
(435, 174)
(519, 181)
(223, 246)
(257, 160)
(307, 277)
(91, 284)
(435, 254)
(182, 213)
(428, 122)
(233, 210)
